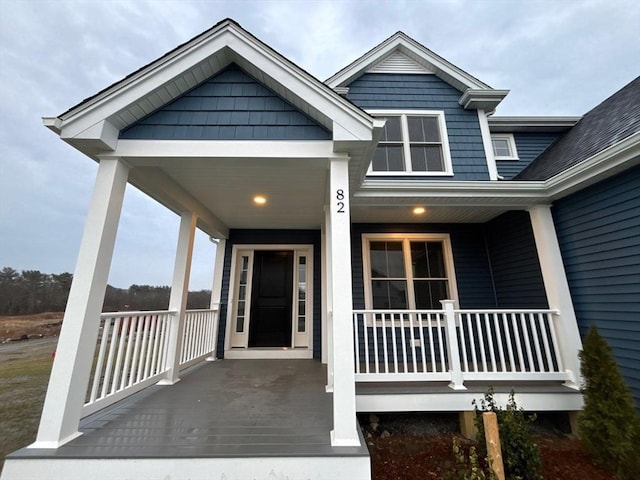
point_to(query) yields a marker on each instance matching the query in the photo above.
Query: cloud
(558, 58)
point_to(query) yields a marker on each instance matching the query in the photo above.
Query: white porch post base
(557, 290)
(178, 298)
(345, 430)
(72, 365)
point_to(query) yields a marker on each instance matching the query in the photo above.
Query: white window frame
(512, 146)
(444, 141)
(406, 238)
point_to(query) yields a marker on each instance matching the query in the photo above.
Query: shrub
(468, 467)
(520, 453)
(609, 426)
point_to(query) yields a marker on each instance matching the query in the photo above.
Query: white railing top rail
(463, 310)
(127, 313)
(202, 310)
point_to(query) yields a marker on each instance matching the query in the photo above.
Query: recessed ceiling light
(419, 210)
(259, 200)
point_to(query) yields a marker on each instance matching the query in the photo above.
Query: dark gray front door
(271, 299)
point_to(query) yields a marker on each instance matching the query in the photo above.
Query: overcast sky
(557, 58)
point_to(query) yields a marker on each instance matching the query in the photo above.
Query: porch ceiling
(432, 214)
(295, 189)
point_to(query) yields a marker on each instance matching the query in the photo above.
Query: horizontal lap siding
(599, 234)
(231, 105)
(273, 237)
(529, 146)
(514, 262)
(376, 91)
(475, 288)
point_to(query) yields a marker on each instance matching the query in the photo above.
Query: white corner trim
(486, 143)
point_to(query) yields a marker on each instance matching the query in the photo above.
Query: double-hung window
(408, 271)
(504, 146)
(413, 142)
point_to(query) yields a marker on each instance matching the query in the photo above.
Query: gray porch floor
(229, 408)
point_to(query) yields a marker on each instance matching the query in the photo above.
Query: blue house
(384, 244)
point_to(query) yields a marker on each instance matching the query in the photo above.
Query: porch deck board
(229, 408)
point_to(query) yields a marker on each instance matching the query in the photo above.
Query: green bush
(520, 453)
(468, 467)
(609, 426)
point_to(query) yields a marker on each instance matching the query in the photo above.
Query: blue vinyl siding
(514, 262)
(473, 275)
(273, 237)
(529, 146)
(599, 234)
(231, 105)
(377, 91)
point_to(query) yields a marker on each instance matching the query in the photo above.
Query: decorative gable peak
(398, 62)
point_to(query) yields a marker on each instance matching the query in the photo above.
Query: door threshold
(268, 352)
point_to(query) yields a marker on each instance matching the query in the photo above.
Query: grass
(24, 376)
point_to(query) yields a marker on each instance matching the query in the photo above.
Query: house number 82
(340, 198)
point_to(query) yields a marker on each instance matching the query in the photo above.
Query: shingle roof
(605, 125)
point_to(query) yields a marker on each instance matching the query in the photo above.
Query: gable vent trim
(398, 62)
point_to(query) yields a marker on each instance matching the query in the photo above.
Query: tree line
(31, 291)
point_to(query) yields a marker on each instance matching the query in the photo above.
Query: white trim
(266, 353)
(531, 124)
(398, 62)
(487, 145)
(511, 143)
(241, 342)
(444, 142)
(405, 44)
(406, 238)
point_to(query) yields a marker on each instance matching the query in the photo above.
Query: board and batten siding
(599, 235)
(473, 275)
(529, 146)
(272, 237)
(385, 91)
(230, 105)
(514, 262)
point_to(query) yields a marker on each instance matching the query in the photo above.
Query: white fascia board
(486, 100)
(531, 124)
(430, 188)
(224, 149)
(52, 123)
(414, 49)
(614, 159)
(101, 136)
(303, 85)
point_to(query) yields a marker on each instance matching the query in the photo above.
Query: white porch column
(557, 289)
(345, 431)
(216, 292)
(178, 298)
(77, 343)
(328, 298)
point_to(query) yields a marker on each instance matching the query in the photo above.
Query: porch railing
(456, 345)
(132, 352)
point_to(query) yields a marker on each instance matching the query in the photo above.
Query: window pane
(429, 293)
(392, 131)
(386, 260)
(501, 147)
(423, 129)
(389, 294)
(388, 158)
(427, 260)
(427, 158)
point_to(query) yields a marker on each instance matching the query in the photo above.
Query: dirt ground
(23, 327)
(419, 446)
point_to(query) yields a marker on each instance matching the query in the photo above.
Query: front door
(271, 299)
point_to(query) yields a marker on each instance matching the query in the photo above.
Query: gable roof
(612, 121)
(93, 124)
(401, 51)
